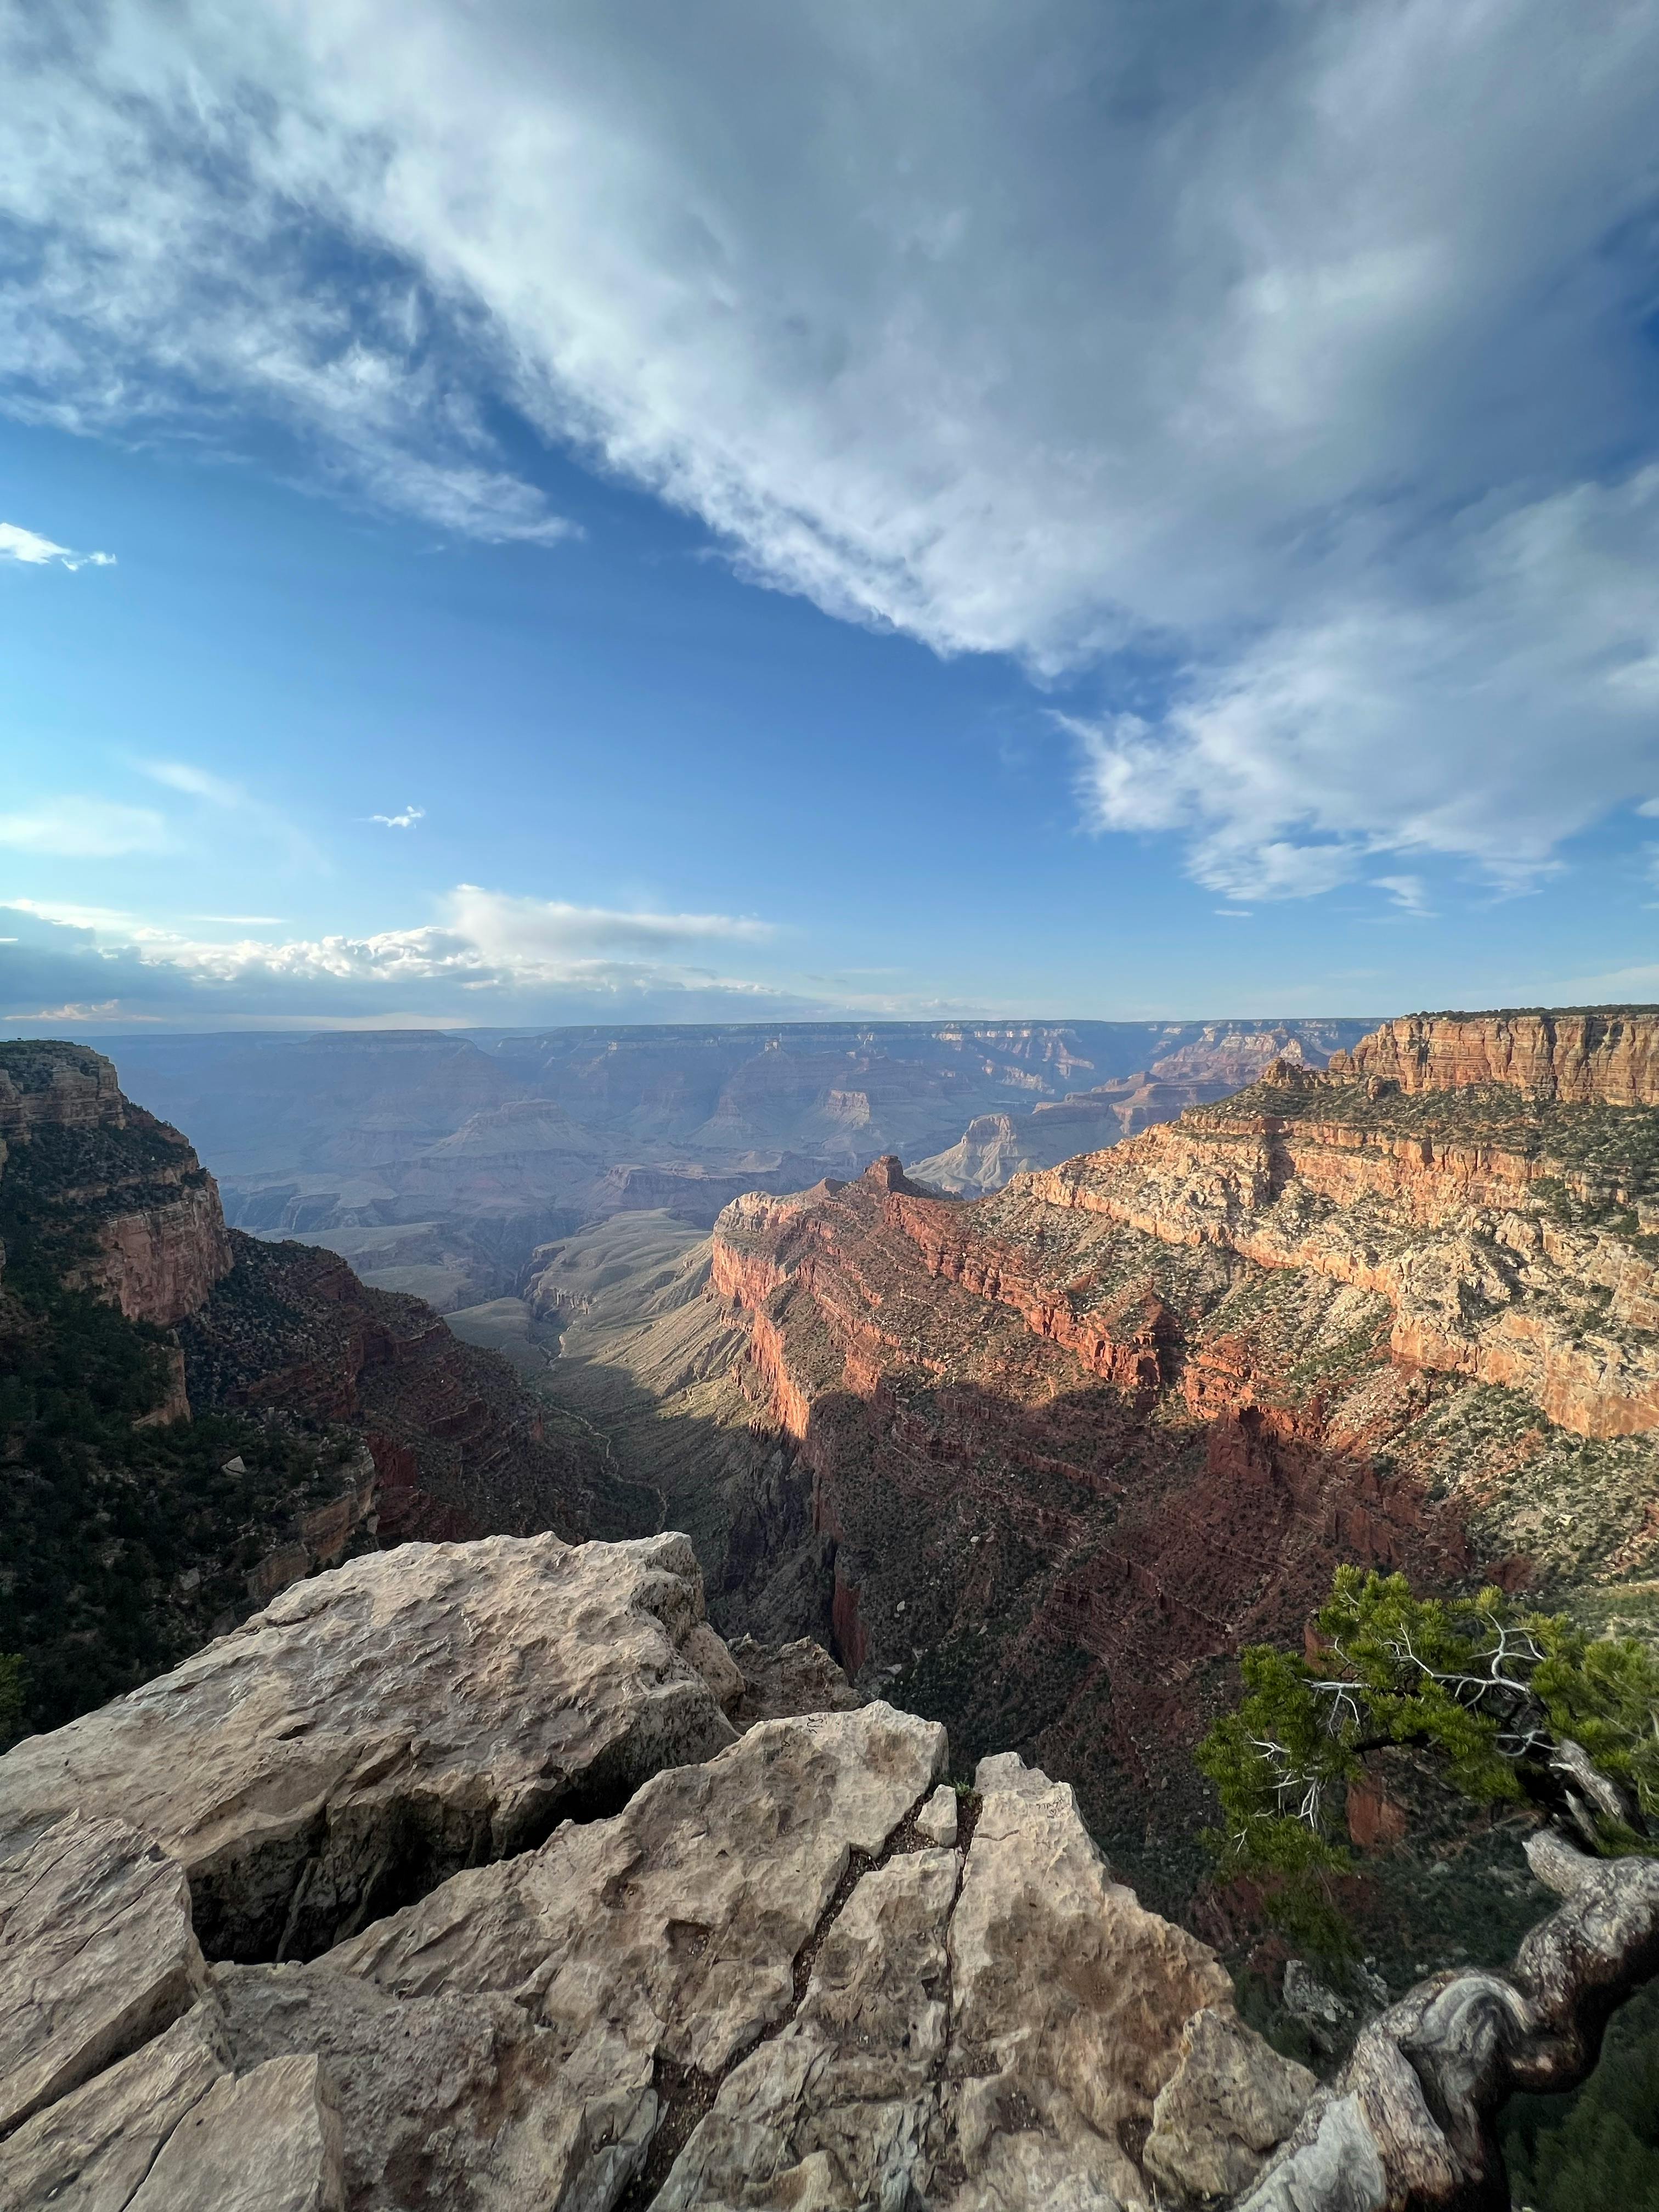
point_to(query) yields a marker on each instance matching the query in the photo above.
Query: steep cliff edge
(130, 1531)
(118, 1199)
(1598, 1056)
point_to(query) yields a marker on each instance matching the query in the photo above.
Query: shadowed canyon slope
(1042, 1462)
(323, 1410)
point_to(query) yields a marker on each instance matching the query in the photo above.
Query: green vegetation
(1512, 1706)
(124, 1545)
(1598, 2149)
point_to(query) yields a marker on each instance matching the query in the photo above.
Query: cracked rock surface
(375, 1729)
(777, 1975)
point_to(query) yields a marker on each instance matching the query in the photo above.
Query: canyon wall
(127, 1190)
(1064, 1448)
(1602, 1056)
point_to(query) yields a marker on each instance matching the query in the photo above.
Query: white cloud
(489, 956)
(485, 939)
(28, 546)
(407, 820)
(75, 828)
(195, 782)
(1300, 349)
(1484, 714)
(1409, 893)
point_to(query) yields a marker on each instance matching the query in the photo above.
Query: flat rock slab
(995, 2037)
(91, 2150)
(521, 2034)
(96, 1956)
(268, 2142)
(842, 2108)
(380, 1726)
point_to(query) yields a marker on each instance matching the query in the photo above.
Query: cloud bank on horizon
(490, 954)
(1291, 370)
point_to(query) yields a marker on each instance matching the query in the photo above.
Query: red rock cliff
(1607, 1057)
(139, 1213)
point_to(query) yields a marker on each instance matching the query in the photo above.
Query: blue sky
(664, 513)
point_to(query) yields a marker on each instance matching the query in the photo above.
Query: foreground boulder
(377, 1728)
(788, 1968)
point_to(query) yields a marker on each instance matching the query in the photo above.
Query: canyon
(436, 1163)
(1041, 1462)
(737, 1746)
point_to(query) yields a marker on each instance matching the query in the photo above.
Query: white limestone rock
(90, 2150)
(96, 1956)
(936, 1823)
(1230, 2100)
(667, 1936)
(267, 2143)
(842, 2108)
(379, 1726)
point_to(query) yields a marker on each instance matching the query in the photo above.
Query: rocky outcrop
(778, 1974)
(1606, 1056)
(120, 1195)
(58, 1086)
(1450, 1216)
(98, 1956)
(379, 1726)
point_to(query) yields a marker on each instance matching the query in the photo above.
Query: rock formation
(781, 1972)
(1039, 1464)
(119, 1195)
(1604, 1056)
(301, 1788)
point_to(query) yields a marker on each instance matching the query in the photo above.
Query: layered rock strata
(122, 1195)
(1447, 1212)
(1605, 1056)
(1041, 1463)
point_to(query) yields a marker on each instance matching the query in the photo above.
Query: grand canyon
(883, 1551)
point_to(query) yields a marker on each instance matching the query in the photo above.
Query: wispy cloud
(78, 827)
(35, 551)
(195, 782)
(1304, 350)
(407, 820)
(219, 791)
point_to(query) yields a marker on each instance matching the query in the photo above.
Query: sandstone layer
(1606, 1056)
(120, 1196)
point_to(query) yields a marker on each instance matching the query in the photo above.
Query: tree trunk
(1411, 2125)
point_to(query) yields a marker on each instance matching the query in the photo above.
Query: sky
(1059, 507)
